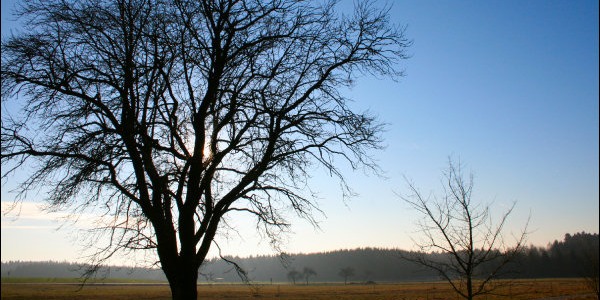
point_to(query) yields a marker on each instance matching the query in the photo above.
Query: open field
(550, 289)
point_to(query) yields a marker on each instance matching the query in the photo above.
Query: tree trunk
(470, 287)
(184, 283)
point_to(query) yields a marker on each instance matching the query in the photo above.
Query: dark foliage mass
(575, 256)
(568, 258)
(53, 269)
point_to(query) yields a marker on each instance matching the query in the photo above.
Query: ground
(547, 289)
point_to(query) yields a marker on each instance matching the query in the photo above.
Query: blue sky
(509, 87)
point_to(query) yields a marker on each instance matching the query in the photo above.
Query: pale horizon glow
(511, 89)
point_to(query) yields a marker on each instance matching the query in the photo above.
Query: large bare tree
(169, 115)
(473, 250)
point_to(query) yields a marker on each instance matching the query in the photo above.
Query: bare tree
(346, 273)
(307, 272)
(294, 275)
(168, 115)
(473, 251)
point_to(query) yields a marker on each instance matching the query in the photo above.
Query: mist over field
(567, 258)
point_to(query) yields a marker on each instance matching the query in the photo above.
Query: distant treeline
(572, 257)
(54, 269)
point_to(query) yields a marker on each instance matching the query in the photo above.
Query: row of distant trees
(307, 272)
(564, 258)
(576, 255)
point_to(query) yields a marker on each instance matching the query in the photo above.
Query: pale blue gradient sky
(510, 87)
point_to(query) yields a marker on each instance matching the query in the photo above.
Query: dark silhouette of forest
(575, 256)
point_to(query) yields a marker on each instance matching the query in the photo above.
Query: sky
(509, 88)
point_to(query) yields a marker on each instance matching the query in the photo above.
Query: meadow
(549, 289)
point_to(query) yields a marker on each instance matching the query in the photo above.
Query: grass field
(551, 289)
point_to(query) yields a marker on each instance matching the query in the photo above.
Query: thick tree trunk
(184, 284)
(470, 287)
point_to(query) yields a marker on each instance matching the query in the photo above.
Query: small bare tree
(294, 275)
(307, 272)
(473, 248)
(346, 273)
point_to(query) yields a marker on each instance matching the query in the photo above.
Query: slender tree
(472, 250)
(169, 115)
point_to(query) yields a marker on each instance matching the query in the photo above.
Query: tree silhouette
(169, 115)
(472, 250)
(294, 275)
(346, 273)
(307, 272)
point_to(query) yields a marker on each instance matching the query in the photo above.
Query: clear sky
(509, 87)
